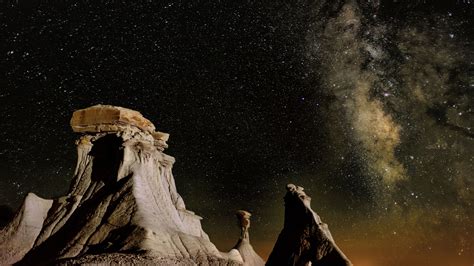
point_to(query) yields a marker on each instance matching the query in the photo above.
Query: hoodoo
(122, 205)
(249, 256)
(305, 239)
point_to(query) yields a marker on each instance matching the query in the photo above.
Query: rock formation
(249, 256)
(18, 237)
(305, 239)
(122, 205)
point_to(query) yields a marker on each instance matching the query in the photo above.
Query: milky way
(367, 104)
(400, 85)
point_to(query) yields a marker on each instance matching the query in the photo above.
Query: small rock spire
(243, 221)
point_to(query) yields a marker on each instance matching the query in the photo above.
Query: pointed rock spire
(305, 238)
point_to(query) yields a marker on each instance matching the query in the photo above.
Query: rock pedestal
(243, 246)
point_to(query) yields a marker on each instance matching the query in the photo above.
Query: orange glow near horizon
(387, 252)
(377, 254)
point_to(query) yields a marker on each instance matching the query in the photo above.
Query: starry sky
(366, 104)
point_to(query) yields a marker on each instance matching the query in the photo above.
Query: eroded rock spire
(249, 256)
(305, 239)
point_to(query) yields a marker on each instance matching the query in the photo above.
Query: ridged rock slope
(122, 203)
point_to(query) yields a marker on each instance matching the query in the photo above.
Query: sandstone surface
(108, 118)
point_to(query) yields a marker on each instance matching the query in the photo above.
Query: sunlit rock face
(122, 199)
(305, 239)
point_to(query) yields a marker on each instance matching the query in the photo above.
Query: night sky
(366, 104)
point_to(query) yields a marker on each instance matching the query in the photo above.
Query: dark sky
(367, 104)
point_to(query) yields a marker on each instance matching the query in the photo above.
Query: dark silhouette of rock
(122, 206)
(305, 239)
